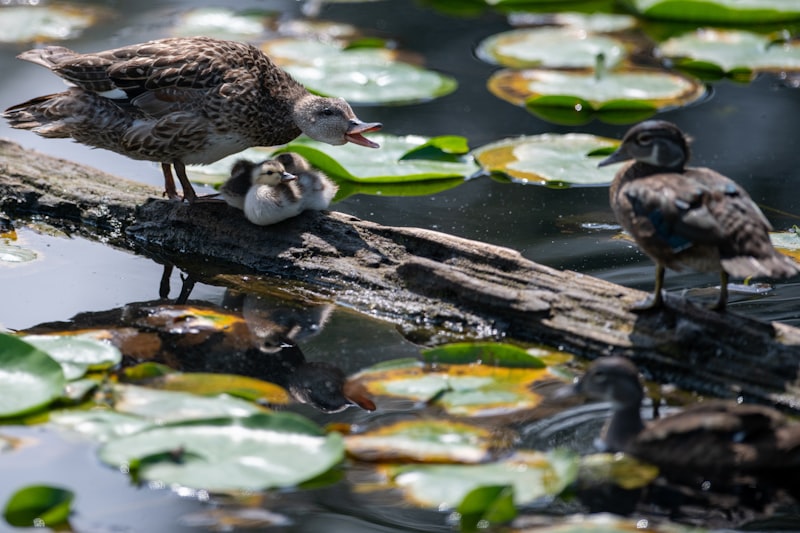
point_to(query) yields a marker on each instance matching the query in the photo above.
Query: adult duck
(316, 189)
(179, 101)
(714, 438)
(691, 217)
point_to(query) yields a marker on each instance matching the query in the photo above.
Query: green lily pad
(533, 475)
(230, 454)
(550, 159)
(718, 11)
(77, 354)
(788, 242)
(39, 506)
(431, 441)
(29, 378)
(733, 51)
(550, 47)
(462, 390)
(99, 424)
(212, 384)
(595, 22)
(223, 23)
(168, 406)
(486, 505)
(46, 22)
(12, 253)
(359, 75)
(620, 469)
(489, 353)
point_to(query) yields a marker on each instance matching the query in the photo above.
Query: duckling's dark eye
(328, 112)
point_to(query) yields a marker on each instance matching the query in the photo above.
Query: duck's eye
(645, 139)
(327, 112)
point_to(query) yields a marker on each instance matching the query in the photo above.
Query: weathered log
(434, 286)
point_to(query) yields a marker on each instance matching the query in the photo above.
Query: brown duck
(688, 216)
(709, 438)
(181, 101)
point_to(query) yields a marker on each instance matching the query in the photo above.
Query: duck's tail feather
(48, 57)
(774, 265)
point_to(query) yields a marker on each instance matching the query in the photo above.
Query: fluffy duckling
(245, 174)
(179, 101)
(688, 216)
(273, 195)
(715, 438)
(316, 189)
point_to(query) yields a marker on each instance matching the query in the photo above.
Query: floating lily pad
(13, 253)
(574, 97)
(550, 47)
(592, 22)
(99, 424)
(222, 23)
(359, 75)
(463, 390)
(620, 469)
(76, 354)
(29, 378)
(168, 406)
(46, 22)
(486, 505)
(788, 242)
(212, 384)
(431, 441)
(719, 11)
(39, 506)
(533, 475)
(732, 51)
(488, 353)
(550, 159)
(229, 454)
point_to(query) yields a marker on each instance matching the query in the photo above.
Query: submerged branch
(434, 286)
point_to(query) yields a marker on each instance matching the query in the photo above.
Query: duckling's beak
(355, 130)
(285, 176)
(617, 156)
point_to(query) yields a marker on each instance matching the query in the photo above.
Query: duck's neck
(625, 424)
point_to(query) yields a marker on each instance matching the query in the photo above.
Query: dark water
(749, 132)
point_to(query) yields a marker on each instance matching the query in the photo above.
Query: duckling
(273, 195)
(714, 438)
(316, 189)
(688, 216)
(245, 174)
(179, 101)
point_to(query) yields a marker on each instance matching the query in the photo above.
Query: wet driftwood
(434, 286)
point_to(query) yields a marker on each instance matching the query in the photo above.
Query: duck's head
(332, 121)
(612, 379)
(270, 172)
(656, 142)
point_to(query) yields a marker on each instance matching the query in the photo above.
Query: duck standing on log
(181, 101)
(690, 217)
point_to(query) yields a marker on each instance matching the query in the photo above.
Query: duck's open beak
(287, 177)
(354, 133)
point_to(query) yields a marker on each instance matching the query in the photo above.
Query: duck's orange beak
(354, 133)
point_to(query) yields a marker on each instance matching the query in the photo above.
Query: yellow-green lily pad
(29, 378)
(550, 47)
(430, 441)
(46, 22)
(622, 470)
(533, 475)
(787, 242)
(39, 506)
(257, 452)
(99, 424)
(12, 253)
(732, 51)
(574, 96)
(359, 75)
(488, 353)
(77, 354)
(212, 384)
(473, 390)
(550, 159)
(718, 11)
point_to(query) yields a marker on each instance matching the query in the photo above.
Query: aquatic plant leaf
(492, 504)
(532, 475)
(39, 506)
(145, 370)
(647, 90)
(488, 353)
(430, 441)
(46, 22)
(222, 23)
(461, 390)
(98, 424)
(257, 452)
(620, 469)
(450, 148)
(77, 354)
(414, 188)
(551, 47)
(594, 22)
(718, 11)
(359, 75)
(180, 320)
(169, 406)
(787, 242)
(13, 253)
(732, 51)
(550, 159)
(212, 384)
(29, 378)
